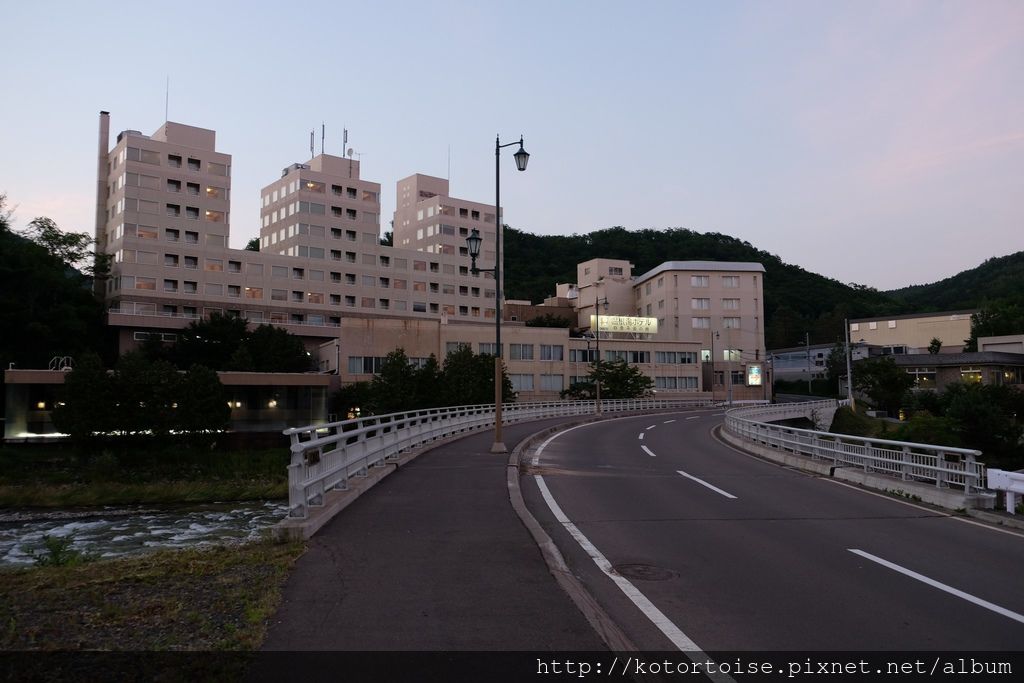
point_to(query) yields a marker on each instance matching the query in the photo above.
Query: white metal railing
(943, 466)
(325, 456)
(1010, 483)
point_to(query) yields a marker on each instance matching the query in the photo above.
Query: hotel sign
(753, 375)
(625, 323)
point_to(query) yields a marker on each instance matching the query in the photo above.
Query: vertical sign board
(753, 375)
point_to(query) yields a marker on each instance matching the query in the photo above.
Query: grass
(55, 476)
(216, 599)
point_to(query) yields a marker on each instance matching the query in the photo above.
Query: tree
(211, 342)
(390, 389)
(253, 244)
(146, 393)
(47, 309)
(272, 349)
(202, 404)
(995, 319)
(835, 365)
(70, 247)
(388, 240)
(986, 416)
(549, 320)
(619, 379)
(468, 379)
(352, 400)
(86, 408)
(883, 381)
(935, 345)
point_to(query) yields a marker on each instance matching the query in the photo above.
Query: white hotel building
(163, 212)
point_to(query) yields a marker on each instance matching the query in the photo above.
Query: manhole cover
(644, 572)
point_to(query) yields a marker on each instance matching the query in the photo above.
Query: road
(716, 550)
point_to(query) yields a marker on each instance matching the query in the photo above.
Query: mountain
(796, 301)
(996, 279)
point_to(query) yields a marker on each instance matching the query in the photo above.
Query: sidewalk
(433, 558)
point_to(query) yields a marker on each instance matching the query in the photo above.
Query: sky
(874, 142)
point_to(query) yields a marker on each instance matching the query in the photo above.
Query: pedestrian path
(433, 558)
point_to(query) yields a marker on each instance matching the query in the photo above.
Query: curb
(596, 616)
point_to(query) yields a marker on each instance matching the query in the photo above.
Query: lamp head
(522, 156)
(473, 242)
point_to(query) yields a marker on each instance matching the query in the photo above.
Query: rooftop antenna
(312, 135)
(323, 134)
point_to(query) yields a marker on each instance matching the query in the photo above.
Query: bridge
(659, 532)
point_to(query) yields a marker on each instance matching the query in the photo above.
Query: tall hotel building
(163, 213)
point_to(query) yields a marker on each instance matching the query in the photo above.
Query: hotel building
(163, 213)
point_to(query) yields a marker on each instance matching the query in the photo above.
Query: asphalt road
(728, 552)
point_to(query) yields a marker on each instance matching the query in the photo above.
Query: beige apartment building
(912, 333)
(163, 212)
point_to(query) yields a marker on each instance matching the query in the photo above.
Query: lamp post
(597, 336)
(807, 343)
(473, 242)
(849, 370)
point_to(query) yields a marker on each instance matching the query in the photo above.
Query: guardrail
(325, 456)
(943, 466)
(1010, 483)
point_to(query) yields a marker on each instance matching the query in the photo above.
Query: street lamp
(597, 337)
(473, 242)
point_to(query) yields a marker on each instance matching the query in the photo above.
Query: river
(115, 531)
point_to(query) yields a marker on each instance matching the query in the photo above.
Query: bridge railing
(325, 456)
(943, 466)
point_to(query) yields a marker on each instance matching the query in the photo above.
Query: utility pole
(849, 369)
(807, 343)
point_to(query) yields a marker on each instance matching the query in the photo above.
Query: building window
(731, 281)
(701, 323)
(700, 281)
(521, 351)
(970, 375)
(551, 352)
(195, 165)
(551, 382)
(731, 304)
(521, 382)
(700, 304)
(174, 160)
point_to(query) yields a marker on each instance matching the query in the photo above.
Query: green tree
(274, 349)
(70, 247)
(146, 392)
(619, 379)
(201, 403)
(935, 345)
(986, 417)
(835, 365)
(995, 319)
(549, 320)
(47, 309)
(353, 400)
(884, 382)
(253, 244)
(390, 388)
(211, 342)
(86, 408)
(427, 383)
(468, 379)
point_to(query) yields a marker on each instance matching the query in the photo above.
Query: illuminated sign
(753, 375)
(625, 323)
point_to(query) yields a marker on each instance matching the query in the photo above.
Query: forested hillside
(796, 301)
(996, 279)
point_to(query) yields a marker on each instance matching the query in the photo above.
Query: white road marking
(668, 422)
(704, 483)
(695, 417)
(657, 617)
(941, 586)
(641, 437)
(540, 449)
(648, 451)
(652, 426)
